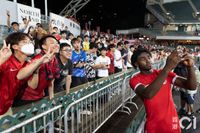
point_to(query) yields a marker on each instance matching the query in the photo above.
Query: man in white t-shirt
(64, 38)
(103, 59)
(130, 53)
(24, 26)
(118, 58)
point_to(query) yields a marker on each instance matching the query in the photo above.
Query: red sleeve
(3, 66)
(134, 83)
(172, 77)
(34, 58)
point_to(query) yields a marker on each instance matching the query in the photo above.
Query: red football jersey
(38, 93)
(9, 84)
(161, 114)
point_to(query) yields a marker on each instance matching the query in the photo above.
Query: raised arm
(27, 24)
(5, 53)
(152, 89)
(68, 83)
(31, 68)
(51, 26)
(51, 89)
(34, 81)
(8, 19)
(190, 83)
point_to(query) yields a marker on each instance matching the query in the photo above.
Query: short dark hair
(132, 46)
(86, 36)
(14, 23)
(63, 32)
(39, 25)
(53, 33)
(24, 19)
(15, 38)
(136, 54)
(111, 46)
(93, 45)
(55, 27)
(126, 42)
(74, 40)
(62, 45)
(103, 48)
(119, 44)
(79, 36)
(44, 38)
(70, 34)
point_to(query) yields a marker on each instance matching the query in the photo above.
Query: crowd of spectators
(36, 62)
(40, 62)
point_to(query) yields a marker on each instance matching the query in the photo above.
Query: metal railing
(89, 113)
(48, 115)
(82, 111)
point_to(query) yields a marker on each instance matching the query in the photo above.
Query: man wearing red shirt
(46, 72)
(110, 54)
(10, 64)
(154, 88)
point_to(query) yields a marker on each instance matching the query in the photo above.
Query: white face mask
(28, 49)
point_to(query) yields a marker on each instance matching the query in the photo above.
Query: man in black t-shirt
(65, 65)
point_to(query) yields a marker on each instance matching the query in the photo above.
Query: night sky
(108, 14)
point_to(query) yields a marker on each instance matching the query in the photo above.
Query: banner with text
(56, 20)
(24, 11)
(61, 22)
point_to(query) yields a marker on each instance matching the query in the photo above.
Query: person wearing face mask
(46, 72)
(12, 58)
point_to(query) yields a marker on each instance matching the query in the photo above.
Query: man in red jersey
(110, 54)
(45, 72)
(12, 58)
(154, 88)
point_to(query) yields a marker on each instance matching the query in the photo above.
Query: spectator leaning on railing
(78, 59)
(90, 65)
(104, 63)
(110, 54)
(10, 65)
(118, 58)
(65, 66)
(48, 71)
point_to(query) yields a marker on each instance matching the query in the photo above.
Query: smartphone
(180, 52)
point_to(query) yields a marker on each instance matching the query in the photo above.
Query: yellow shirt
(86, 46)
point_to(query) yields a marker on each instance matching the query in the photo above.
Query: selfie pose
(154, 88)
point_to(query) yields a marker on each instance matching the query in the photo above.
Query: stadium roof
(161, 35)
(175, 11)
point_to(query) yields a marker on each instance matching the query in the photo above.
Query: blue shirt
(77, 58)
(10, 30)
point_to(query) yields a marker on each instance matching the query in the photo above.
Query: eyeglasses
(67, 50)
